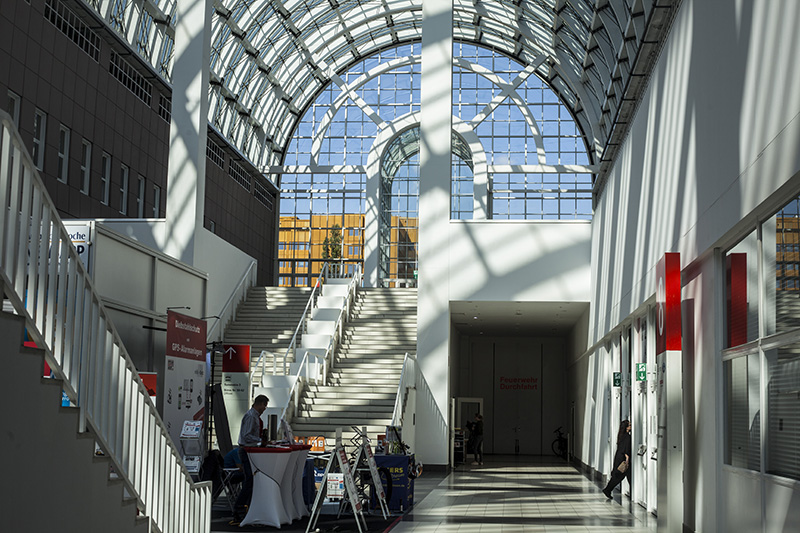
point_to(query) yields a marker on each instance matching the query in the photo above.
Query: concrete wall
(715, 144)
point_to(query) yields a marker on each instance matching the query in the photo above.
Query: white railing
(299, 330)
(344, 316)
(408, 380)
(302, 375)
(46, 282)
(228, 311)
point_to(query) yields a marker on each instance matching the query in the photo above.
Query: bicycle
(559, 445)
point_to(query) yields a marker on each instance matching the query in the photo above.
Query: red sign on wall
(668, 301)
(236, 358)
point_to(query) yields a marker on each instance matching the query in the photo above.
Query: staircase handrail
(344, 316)
(46, 281)
(228, 311)
(408, 379)
(301, 325)
(344, 313)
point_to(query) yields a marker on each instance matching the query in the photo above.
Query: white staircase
(46, 457)
(53, 481)
(362, 385)
(266, 320)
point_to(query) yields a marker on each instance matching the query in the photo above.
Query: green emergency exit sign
(617, 379)
(641, 371)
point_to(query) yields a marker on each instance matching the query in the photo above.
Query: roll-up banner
(236, 384)
(184, 372)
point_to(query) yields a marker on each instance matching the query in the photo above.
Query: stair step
(387, 402)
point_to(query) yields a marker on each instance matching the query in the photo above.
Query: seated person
(233, 461)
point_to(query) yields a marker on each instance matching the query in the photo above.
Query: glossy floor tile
(519, 494)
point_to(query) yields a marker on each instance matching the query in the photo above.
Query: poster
(184, 372)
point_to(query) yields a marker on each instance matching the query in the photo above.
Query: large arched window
(536, 160)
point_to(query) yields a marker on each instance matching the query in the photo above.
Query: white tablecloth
(266, 506)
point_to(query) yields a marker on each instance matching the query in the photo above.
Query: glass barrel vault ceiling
(270, 58)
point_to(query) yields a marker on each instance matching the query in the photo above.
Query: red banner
(736, 281)
(668, 301)
(186, 336)
(236, 358)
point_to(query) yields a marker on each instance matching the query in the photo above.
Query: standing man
(250, 434)
(477, 433)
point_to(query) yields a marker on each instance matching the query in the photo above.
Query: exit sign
(641, 371)
(617, 379)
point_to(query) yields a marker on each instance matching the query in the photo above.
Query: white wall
(223, 263)
(492, 260)
(519, 261)
(715, 144)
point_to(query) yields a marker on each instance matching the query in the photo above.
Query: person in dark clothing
(251, 433)
(623, 455)
(477, 435)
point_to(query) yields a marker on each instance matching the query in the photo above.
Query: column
(433, 314)
(186, 175)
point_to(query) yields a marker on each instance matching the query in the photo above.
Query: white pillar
(433, 315)
(186, 176)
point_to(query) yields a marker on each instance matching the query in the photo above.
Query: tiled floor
(519, 494)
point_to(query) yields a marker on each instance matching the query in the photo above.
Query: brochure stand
(339, 455)
(192, 442)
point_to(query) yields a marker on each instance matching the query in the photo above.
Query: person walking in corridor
(477, 434)
(622, 459)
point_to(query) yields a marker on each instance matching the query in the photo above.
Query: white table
(266, 505)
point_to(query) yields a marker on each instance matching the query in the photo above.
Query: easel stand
(364, 455)
(351, 494)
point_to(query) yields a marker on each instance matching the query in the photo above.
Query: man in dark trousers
(251, 434)
(477, 434)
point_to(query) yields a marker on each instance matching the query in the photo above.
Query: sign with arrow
(236, 384)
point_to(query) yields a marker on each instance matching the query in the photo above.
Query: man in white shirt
(251, 434)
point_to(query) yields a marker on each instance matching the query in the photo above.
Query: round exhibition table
(266, 505)
(292, 484)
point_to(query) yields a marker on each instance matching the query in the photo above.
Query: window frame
(156, 201)
(39, 138)
(140, 197)
(124, 177)
(86, 166)
(105, 178)
(62, 173)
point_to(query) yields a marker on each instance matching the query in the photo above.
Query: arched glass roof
(270, 58)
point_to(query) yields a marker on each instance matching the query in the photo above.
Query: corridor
(513, 494)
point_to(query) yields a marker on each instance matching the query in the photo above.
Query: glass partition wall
(761, 360)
